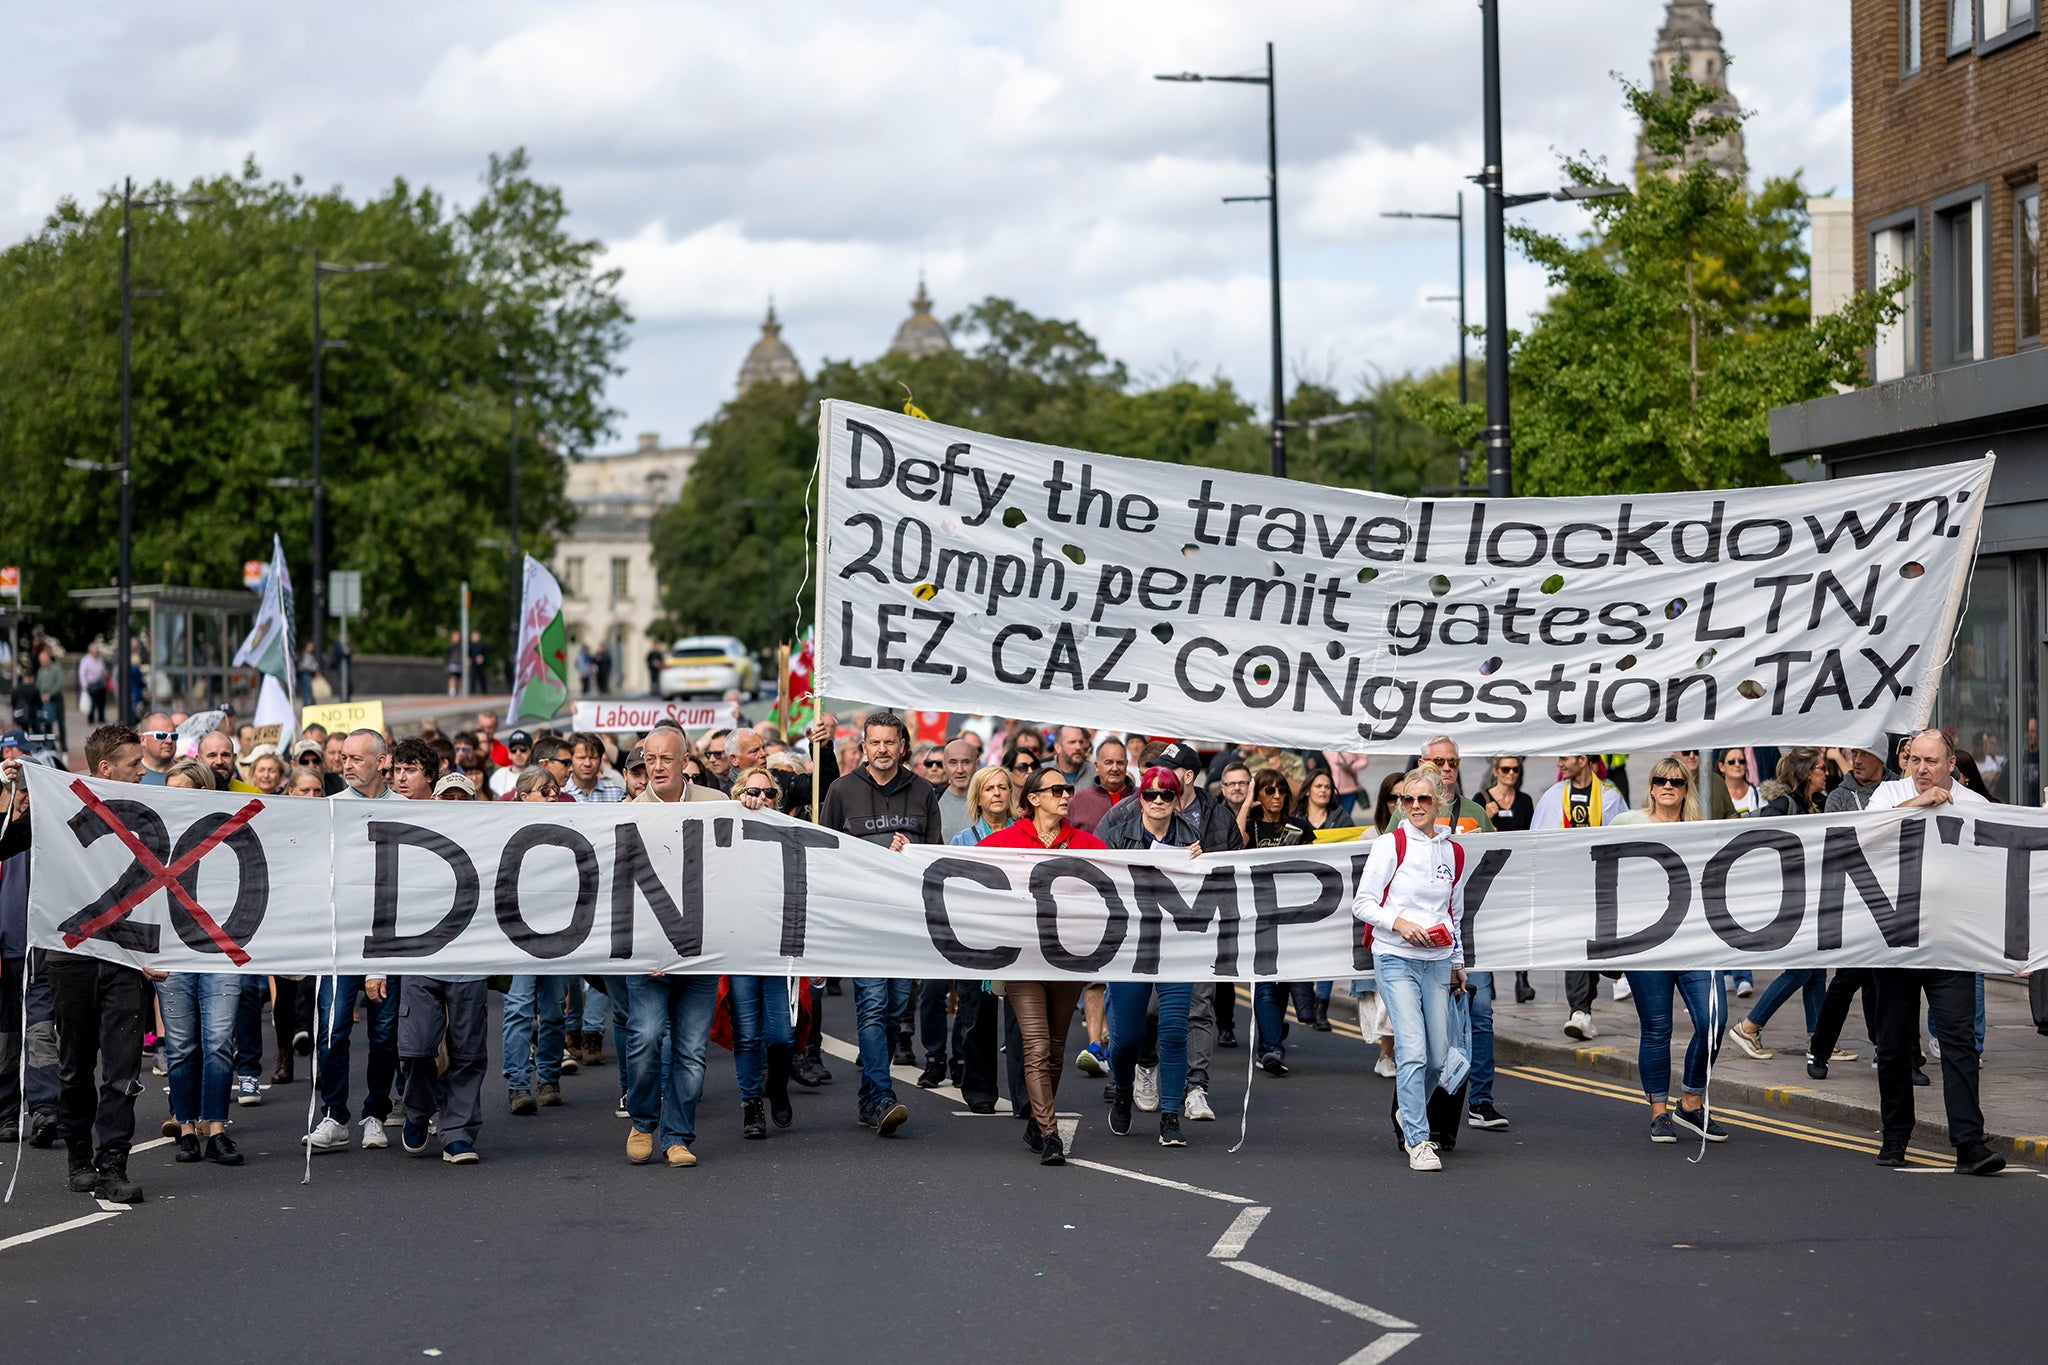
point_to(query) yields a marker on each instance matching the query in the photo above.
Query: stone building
(606, 564)
(921, 334)
(1947, 101)
(1690, 42)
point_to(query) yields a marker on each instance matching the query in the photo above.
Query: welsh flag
(799, 704)
(540, 684)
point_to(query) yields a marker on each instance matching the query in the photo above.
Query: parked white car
(708, 666)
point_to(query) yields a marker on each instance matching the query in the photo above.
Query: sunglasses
(1155, 794)
(765, 793)
(1024, 764)
(1442, 762)
(520, 748)
(160, 735)
(1423, 800)
(1509, 768)
(306, 760)
(1688, 753)
(1056, 789)
(1667, 782)
(935, 763)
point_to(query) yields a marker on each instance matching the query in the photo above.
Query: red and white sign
(252, 575)
(611, 717)
(929, 727)
(10, 580)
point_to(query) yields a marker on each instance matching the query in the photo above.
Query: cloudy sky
(825, 153)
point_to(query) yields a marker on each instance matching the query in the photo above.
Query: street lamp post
(320, 345)
(1459, 219)
(1271, 199)
(517, 576)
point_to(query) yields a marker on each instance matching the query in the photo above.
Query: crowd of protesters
(94, 1026)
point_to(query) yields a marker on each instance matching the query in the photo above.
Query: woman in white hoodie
(1411, 896)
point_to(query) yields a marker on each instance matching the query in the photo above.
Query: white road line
(1068, 1127)
(24, 1237)
(1381, 1349)
(153, 1142)
(1364, 1312)
(1161, 1180)
(1238, 1233)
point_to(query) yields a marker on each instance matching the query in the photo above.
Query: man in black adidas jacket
(883, 803)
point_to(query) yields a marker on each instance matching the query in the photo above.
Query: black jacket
(856, 804)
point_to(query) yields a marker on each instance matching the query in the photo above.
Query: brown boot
(593, 1047)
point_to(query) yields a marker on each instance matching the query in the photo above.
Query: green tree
(416, 396)
(1675, 326)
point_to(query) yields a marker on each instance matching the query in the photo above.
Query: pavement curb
(1619, 1061)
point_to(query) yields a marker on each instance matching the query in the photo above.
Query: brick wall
(1961, 121)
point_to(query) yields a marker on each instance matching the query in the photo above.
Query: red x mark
(161, 877)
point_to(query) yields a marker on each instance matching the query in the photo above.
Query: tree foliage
(416, 404)
(1675, 326)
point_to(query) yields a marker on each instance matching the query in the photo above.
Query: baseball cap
(519, 739)
(456, 781)
(304, 747)
(634, 759)
(14, 739)
(1180, 755)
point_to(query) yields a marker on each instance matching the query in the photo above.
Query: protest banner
(344, 716)
(972, 573)
(613, 717)
(203, 881)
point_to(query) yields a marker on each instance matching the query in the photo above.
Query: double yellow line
(1734, 1118)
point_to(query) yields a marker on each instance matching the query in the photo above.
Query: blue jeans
(533, 1032)
(1128, 1003)
(597, 1008)
(875, 1007)
(255, 993)
(1269, 1009)
(1417, 994)
(199, 1042)
(668, 1027)
(760, 1021)
(1480, 986)
(1703, 991)
(1812, 982)
(332, 1026)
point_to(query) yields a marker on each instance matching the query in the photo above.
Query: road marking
(1363, 1312)
(1381, 1349)
(153, 1142)
(1756, 1122)
(1238, 1233)
(1163, 1182)
(21, 1238)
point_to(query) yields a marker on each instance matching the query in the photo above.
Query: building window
(1909, 37)
(621, 579)
(1962, 25)
(2003, 21)
(1957, 276)
(2026, 260)
(572, 576)
(1895, 262)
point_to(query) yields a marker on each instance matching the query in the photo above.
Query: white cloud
(825, 154)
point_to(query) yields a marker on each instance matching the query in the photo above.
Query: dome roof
(921, 333)
(770, 360)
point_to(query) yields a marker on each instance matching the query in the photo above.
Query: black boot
(753, 1122)
(78, 1157)
(1524, 992)
(1322, 1024)
(776, 1087)
(113, 1185)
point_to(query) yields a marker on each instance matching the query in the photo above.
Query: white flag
(268, 649)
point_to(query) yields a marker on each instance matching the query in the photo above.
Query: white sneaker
(1089, 1063)
(1146, 1091)
(1195, 1108)
(1933, 1048)
(1744, 989)
(373, 1135)
(1384, 1067)
(1422, 1157)
(1580, 1026)
(1621, 989)
(328, 1135)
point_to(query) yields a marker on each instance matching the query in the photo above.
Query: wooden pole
(818, 606)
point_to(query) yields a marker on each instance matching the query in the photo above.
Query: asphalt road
(1568, 1238)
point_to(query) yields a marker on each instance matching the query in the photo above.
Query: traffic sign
(344, 593)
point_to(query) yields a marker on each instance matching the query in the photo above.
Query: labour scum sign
(203, 881)
(968, 573)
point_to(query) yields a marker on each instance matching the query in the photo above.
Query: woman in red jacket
(1044, 1009)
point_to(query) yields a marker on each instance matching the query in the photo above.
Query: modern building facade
(1950, 114)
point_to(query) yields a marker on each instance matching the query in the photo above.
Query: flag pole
(818, 609)
(782, 691)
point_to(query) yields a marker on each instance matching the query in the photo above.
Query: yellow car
(709, 666)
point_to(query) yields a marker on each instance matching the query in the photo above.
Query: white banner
(202, 881)
(615, 717)
(973, 573)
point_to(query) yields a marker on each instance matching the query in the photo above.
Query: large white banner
(966, 572)
(199, 881)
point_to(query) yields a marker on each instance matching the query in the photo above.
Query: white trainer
(1580, 1026)
(1422, 1157)
(1195, 1108)
(1384, 1067)
(1622, 990)
(328, 1135)
(373, 1135)
(1146, 1090)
